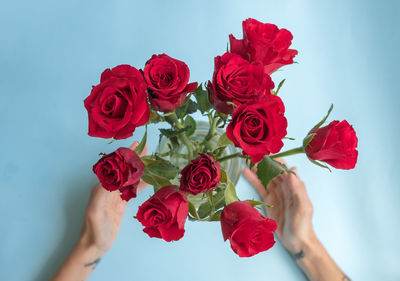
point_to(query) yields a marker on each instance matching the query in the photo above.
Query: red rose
(334, 144)
(118, 104)
(164, 214)
(266, 43)
(201, 175)
(121, 169)
(237, 80)
(167, 82)
(258, 127)
(247, 229)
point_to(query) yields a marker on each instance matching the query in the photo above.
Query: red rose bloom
(118, 104)
(201, 175)
(258, 127)
(237, 80)
(334, 144)
(247, 229)
(121, 170)
(164, 214)
(167, 82)
(266, 43)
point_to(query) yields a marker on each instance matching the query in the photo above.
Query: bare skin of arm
(293, 211)
(103, 217)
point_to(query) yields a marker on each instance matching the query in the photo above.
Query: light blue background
(51, 52)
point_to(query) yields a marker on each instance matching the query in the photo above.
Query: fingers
(135, 144)
(144, 152)
(254, 169)
(255, 182)
(280, 160)
(294, 170)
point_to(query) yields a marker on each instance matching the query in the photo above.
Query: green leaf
(169, 132)
(224, 177)
(192, 210)
(154, 117)
(148, 161)
(257, 203)
(223, 141)
(279, 86)
(191, 124)
(287, 138)
(142, 144)
(111, 141)
(287, 170)
(164, 169)
(201, 96)
(205, 208)
(319, 164)
(154, 180)
(215, 217)
(230, 194)
(267, 169)
(188, 108)
(172, 135)
(223, 117)
(307, 140)
(323, 120)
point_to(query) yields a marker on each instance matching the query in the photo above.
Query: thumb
(255, 182)
(135, 144)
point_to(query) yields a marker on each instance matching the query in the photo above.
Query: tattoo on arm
(298, 255)
(93, 263)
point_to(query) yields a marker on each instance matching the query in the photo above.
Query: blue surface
(51, 52)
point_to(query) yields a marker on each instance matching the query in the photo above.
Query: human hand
(103, 217)
(292, 208)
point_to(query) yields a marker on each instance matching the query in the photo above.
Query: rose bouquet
(189, 171)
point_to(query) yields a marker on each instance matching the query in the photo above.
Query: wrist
(311, 244)
(308, 251)
(81, 261)
(297, 243)
(87, 248)
(315, 262)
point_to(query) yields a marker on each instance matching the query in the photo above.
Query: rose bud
(120, 170)
(335, 145)
(258, 127)
(167, 82)
(201, 175)
(118, 104)
(247, 229)
(266, 43)
(237, 80)
(164, 214)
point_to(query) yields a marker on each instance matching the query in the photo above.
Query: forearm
(80, 263)
(316, 262)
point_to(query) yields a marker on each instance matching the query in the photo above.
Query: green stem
(213, 128)
(183, 137)
(210, 199)
(230, 156)
(175, 154)
(289, 152)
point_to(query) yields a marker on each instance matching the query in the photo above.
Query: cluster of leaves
(218, 198)
(160, 172)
